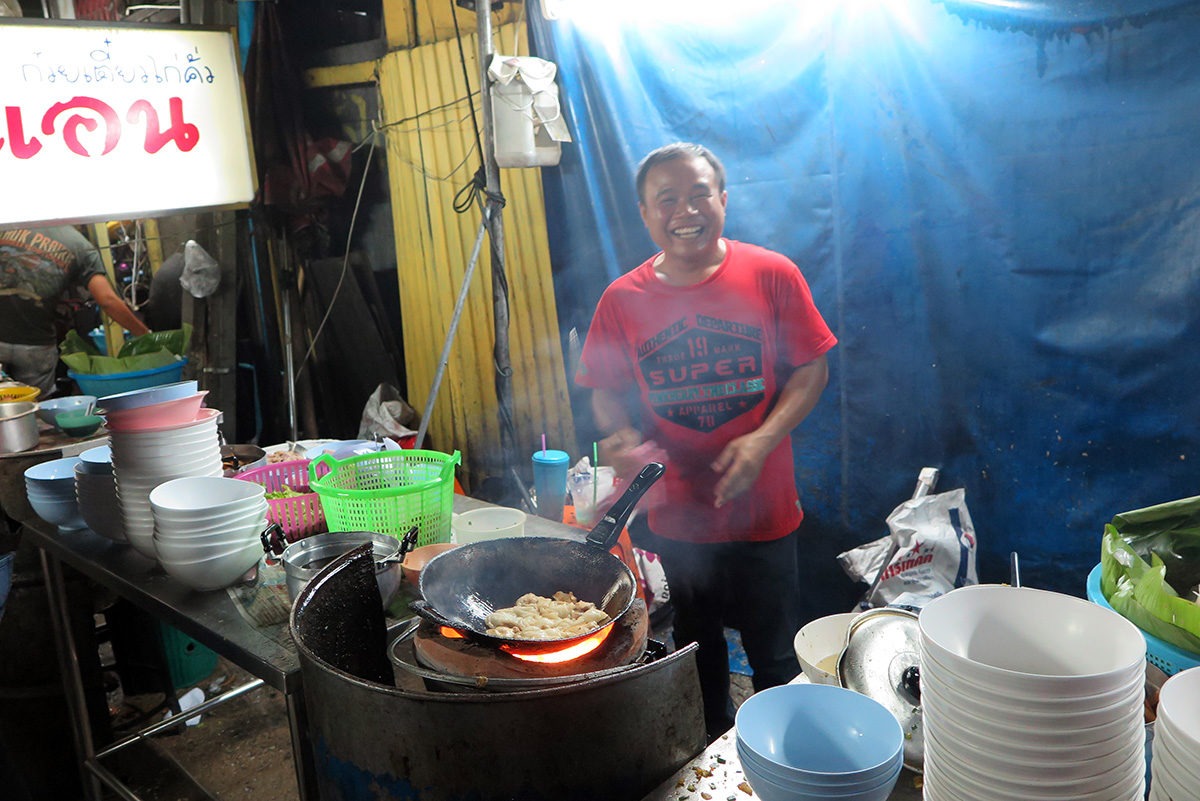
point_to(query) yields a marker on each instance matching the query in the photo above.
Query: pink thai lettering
(70, 130)
(21, 147)
(184, 134)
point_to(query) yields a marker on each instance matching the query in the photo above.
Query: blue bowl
(818, 730)
(811, 782)
(102, 385)
(50, 409)
(53, 471)
(770, 789)
(148, 396)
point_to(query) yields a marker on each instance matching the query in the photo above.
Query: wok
(461, 587)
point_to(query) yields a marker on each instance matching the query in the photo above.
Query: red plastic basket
(299, 515)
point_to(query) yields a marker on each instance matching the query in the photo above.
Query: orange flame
(453, 634)
(575, 651)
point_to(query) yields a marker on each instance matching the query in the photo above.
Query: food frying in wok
(535, 617)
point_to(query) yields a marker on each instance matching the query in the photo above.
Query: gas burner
(423, 649)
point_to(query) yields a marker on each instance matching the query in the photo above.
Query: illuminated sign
(104, 122)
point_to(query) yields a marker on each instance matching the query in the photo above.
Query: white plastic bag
(201, 274)
(934, 552)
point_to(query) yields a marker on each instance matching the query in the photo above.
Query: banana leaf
(109, 365)
(175, 340)
(1139, 591)
(1170, 530)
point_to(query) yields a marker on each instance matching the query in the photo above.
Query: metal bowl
(304, 559)
(18, 426)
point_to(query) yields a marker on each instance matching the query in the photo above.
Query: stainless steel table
(211, 618)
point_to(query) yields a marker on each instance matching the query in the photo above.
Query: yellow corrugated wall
(430, 157)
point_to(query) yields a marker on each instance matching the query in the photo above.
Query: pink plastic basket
(299, 515)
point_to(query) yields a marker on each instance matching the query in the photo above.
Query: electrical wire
(345, 263)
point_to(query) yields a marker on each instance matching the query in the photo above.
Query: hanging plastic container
(521, 141)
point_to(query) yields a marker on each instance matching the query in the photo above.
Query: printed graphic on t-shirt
(703, 372)
(33, 265)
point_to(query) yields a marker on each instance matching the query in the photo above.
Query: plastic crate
(299, 515)
(388, 492)
(188, 661)
(1168, 658)
(103, 385)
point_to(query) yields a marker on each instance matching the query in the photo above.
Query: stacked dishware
(50, 488)
(803, 742)
(1029, 695)
(207, 529)
(157, 434)
(96, 493)
(1175, 764)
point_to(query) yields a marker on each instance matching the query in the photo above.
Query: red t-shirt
(707, 360)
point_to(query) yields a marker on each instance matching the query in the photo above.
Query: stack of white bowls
(144, 459)
(50, 488)
(96, 492)
(1175, 764)
(207, 529)
(1028, 695)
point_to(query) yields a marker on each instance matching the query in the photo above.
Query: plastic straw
(595, 473)
(543, 446)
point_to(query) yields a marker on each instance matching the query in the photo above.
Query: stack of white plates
(1028, 695)
(144, 459)
(96, 492)
(1175, 764)
(207, 529)
(50, 488)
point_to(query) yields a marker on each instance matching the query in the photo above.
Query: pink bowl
(157, 415)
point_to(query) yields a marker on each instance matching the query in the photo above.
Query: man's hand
(615, 450)
(740, 463)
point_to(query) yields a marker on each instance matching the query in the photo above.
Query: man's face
(684, 210)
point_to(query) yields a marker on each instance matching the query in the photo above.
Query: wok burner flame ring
(575, 651)
(567, 654)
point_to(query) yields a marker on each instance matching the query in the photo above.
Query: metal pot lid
(882, 660)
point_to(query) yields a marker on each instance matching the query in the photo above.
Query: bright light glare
(609, 16)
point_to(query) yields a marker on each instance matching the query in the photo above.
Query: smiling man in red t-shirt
(713, 351)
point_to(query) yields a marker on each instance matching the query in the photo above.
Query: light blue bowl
(52, 471)
(48, 410)
(820, 730)
(813, 782)
(148, 396)
(97, 460)
(770, 790)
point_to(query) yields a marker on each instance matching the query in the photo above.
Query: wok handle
(606, 532)
(426, 611)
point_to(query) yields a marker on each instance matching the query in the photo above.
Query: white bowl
(1179, 703)
(984, 762)
(819, 643)
(187, 552)
(1130, 707)
(943, 783)
(1025, 752)
(955, 685)
(937, 714)
(176, 530)
(174, 526)
(1032, 640)
(214, 574)
(1101, 778)
(204, 496)
(136, 398)
(491, 523)
(1174, 758)
(203, 432)
(146, 460)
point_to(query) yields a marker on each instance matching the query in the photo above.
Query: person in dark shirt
(37, 266)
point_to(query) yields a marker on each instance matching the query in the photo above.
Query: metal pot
(18, 426)
(304, 559)
(460, 588)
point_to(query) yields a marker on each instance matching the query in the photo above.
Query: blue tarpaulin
(1001, 223)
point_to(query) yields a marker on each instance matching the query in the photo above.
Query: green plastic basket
(388, 492)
